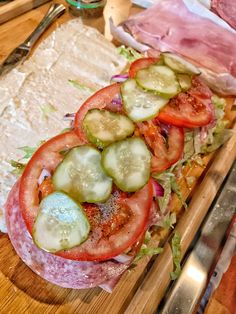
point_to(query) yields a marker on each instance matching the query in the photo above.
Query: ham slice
(185, 28)
(63, 272)
(226, 9)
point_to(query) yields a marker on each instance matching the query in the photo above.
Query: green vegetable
(29, 151)
(47, 110)
(140, 105)
(80, 174)
(82, 86)
(147, 251)
(185, 81)
(176, 189)
(129, 53)
(164, 179)
(18, 167)
(179, 65)
(159, 79)
(61, 223)
(176, 253)
(104, 127)
(128, 162)
(168, 221)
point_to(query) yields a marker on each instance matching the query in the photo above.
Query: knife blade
(20, 53)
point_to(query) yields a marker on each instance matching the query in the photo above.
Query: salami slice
(57, 270)
(226, 9)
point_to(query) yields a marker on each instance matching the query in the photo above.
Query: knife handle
(53, 13)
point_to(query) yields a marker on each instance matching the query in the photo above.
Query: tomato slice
(191, 109)
(167, 149)
(99, 100)
(140, 64)
(116, 225)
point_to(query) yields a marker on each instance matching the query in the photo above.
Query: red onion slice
(119, 78)
(44, 174)
(157, 189)
(123, 258)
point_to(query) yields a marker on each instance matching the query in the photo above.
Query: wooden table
(140, 289)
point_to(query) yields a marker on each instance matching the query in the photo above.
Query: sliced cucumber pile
(61, 223)
(128, 163)
(179, 65)
(81, 175)
(104, 127)
(140, 105)
(160, 79)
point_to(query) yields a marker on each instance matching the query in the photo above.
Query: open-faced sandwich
(89, 199)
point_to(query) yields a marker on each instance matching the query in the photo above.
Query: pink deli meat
(63, 272)
(226, 9)
(169, 25)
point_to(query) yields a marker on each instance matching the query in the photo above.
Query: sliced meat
(226, 9)
(63, 272)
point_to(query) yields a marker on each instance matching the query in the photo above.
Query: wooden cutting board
(140, 289)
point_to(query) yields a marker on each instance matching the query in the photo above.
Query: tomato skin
(46, 157)
(141, 64)
(98, 246)
(163, 156)
(99, 100)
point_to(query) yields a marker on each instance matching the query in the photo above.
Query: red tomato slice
(191, 109)
(99, 100)
(166, 150)
(124, 222)
(140, 64)
(111, 234)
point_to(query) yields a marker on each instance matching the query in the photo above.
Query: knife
(20, 53)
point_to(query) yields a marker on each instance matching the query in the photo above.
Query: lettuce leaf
(164, 179)
(28, 150)
(18, 167)
(129, 53)
(168, 221)
(147, 251)
(47, 110)
(176, 253)
(82, 86)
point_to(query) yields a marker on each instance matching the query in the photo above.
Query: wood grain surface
(141, 288)
(18, 7)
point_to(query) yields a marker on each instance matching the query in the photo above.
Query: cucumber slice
(140, 105)
(128, 162)
(185, 81)
(104, 127)
(61, 223)
(180, 65)
(160, 79)
(81, 175)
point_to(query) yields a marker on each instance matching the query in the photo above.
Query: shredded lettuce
(188, 145)
(147, 251)
(29, 151)
(218, 140)
(129, 53)
(176, 253)
(82, 86)
(47, 110)
(168, 221)
(164, 179)
(18, 167)
(176, 189)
